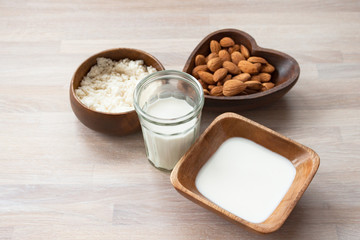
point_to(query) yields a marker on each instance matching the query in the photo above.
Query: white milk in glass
(165, 145)
(246, 179)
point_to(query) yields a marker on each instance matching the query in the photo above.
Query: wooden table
(61, 180)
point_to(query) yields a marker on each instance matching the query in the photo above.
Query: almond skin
(206, 92)
(268, 85)
(217, 91)
(220, 74)
(215, 46)
(227, 42)
(244, 51)
(255, 78)
(233, 87)
(206, 77)
(254, 85)
(199, 68)
(203, 84)
(236, 57)
(265, 77)
(224, 55)
(231, 50)
(228, 77)
(236, 47)
(243, 77)
(211, 86)
(250, 91)
(248, 67)
(258, 65)
(267, 68)
(214, 64)
(254, 59)
(231, 67)
(200, 60)
(211, 56)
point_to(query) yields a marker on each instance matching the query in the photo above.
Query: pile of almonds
(229, 70)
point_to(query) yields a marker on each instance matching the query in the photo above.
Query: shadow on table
(273, 116)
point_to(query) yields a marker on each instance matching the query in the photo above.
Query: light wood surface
(61, 180)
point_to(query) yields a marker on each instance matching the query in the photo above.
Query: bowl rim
(97, 55)
(203, 201)
(294, 77)
(160, 75)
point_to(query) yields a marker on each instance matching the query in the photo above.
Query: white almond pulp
(109, 85)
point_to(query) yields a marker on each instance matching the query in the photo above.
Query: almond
(244, 51)
(217, 91)
(242, 77)
(220, 74)
(224, 55)
(258, 65)
(211, 56)
(236, 47)
(227, 42)
(198, 69)
(200, 60)
(268, 85)
(206, 77)
(267, 68)
(211, 87)
(243, 93)
(233, 87)
(254, 59)
(231, 67)
(264, 77)
(203, 84)
(215, 46)
(214, 64)
(227, 78)
(231, 50)
(248, 67)
(255, 78)
(254, 85)
(250, 91)
(236, 57)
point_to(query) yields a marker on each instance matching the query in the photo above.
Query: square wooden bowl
(225, 126)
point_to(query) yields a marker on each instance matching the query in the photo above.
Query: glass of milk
(169, 105)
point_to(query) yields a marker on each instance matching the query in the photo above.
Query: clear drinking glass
(169, 105)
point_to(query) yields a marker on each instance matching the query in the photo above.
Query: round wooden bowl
(109, 123)
(285, 76)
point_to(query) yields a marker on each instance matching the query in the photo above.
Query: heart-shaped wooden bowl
(225, 126)
(109, 123)
(285, 76)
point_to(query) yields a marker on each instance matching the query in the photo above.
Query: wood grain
(229, 125)
(61, 180)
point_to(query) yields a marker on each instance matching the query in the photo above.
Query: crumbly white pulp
(109, 85)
